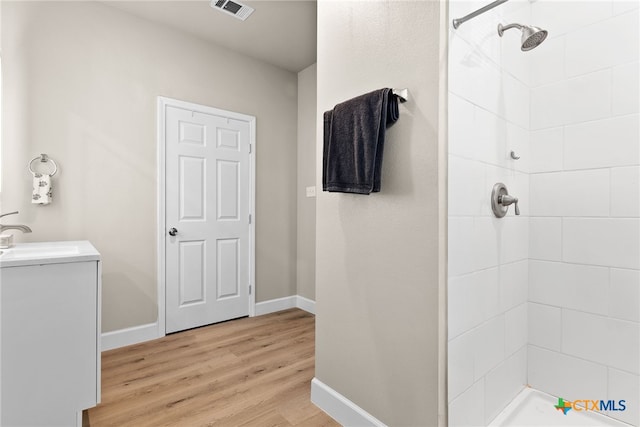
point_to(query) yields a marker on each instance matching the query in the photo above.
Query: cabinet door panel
(49, 333)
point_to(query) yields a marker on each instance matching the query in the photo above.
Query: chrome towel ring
(44, 159)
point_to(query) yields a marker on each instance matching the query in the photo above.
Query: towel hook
(43, 159)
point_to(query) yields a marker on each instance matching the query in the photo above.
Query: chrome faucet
(22, 228)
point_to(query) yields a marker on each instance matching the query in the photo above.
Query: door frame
(163, 103)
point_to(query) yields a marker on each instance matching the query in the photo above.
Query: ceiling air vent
(234, 8)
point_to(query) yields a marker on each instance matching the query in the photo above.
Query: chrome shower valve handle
(506, 200)
(500, 200)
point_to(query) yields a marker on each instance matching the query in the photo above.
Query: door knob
(173, 231)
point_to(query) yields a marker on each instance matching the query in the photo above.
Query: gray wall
(80, 83)
(379, 257)
(306, 259)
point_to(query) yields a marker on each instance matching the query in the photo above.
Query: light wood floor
(247, 372)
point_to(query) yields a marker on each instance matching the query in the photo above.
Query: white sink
(41, 252)
(47, 253)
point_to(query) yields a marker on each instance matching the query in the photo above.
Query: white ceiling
(282, 33)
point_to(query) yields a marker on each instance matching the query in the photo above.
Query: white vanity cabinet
(50, 363)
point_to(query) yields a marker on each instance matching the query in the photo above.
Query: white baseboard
(306, 304)
(148, 332)
(129, 336)
(279, 304)
(274, 305)
(340, 408)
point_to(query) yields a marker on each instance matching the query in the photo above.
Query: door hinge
(249, 289)
(250, 148)
(249, 218)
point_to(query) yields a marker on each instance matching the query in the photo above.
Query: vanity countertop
(41, 253)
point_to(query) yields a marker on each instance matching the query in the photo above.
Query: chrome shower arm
(460, 21)
(502, 28)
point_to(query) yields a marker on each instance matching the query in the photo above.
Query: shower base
(535, 408)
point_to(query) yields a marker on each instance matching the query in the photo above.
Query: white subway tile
(579, 193)
(465, 64)
(560, 17)
(545, 326)
(485, 242)
(472, 299)
(602, 143)
(504, 383)
(515, 101)
(588, 97)
(623, 345)
(460, 245)
(586, 288)
(490, 135)
(467, 67)
(546, 150)
(566, 376)
(547, 195)
(516, 63)
(623, 6)
(574, 286)
(600, 241)
(624, 299)
(466, 184)
(514, 238)
(584, 335)
(625, 386)
(626, 89)
(545, 241)
(515, 329)
(546, 282)
(489, 345)
(584, 193)
(468, 408)
(462, 138)
(481, 35)
(518, 141)
(549, 105)
(625, 192)
(547, 62)
(600, 45)
(514, 284)
(460, 369)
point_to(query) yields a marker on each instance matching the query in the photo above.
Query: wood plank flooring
(247, 372)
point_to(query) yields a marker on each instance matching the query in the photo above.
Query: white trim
(273, 305)
(129, 336)
(252, 212)
(340, 408)
(161, 291)
(150, 331)
(306, 304)
(163, 102)
(285, 303)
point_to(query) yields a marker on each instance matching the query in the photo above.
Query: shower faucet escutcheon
(500, 200)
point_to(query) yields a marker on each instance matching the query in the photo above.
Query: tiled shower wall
(584, 269)
(488, 257)
(549, 298)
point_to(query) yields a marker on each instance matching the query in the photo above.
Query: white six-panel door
(206, 217)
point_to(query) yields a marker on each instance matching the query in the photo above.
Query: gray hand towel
(354, 140)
